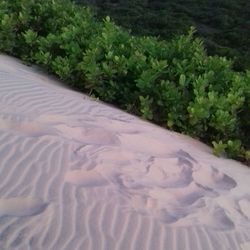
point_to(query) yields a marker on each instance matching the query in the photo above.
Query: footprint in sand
(175, 189)
(25, 126)
(21, 206)
(85, 178)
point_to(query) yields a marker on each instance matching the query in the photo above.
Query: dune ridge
(78, 174)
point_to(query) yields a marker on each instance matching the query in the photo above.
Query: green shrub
(174, 84)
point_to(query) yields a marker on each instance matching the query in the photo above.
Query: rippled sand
(78, 174)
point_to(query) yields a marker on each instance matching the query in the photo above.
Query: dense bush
(174, 84)
(223, 24)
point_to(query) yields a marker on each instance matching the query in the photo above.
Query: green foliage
(223, 24)
(146, 110)
(172, 83)
(7, 28)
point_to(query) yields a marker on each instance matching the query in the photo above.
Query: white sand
(78, 174)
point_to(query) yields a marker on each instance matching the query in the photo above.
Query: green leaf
(182, 80)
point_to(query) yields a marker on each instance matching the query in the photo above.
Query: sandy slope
(76, 174)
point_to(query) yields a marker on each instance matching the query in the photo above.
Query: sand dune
(78, 174)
